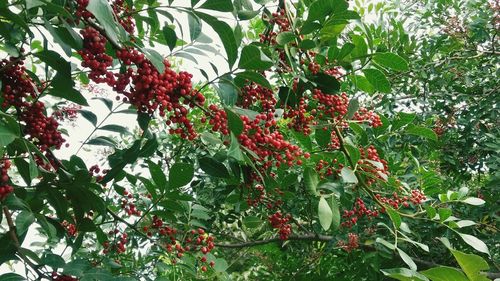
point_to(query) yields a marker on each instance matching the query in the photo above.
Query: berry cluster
(369, 167)
(5, 188)
(128, 206)
(218, 120)
(124, 15)
(372, 118)
(39, 128)
(254, 94)
(94, 56)
(18, 91)
(69, 113)
(70, 228)
(194, 241)
(326, 169)
(119, 246)
(351, 244)
(150, 90)
(416, 198)
(358, 211)
(279, 222)
(260, 136)
(300, 119)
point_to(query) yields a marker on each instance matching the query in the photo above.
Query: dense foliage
(320, 138)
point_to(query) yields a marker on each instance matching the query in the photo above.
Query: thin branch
(304, 237)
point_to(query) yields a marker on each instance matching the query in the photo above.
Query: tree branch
(304, 237)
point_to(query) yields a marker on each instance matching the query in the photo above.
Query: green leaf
(103, 12)
(395, 217)
(324, 213)
(194, 26)
(322, 137)
(378, 80)
(23, 221)
(391, 60)
(180, 174)
(474, 201)
(11, 277)
(286, 37)
(407, 259)
(91, 117)
(235, 150)
(254, 77)
(322, 8)
(404, 274)
(220, 265)
(157, 174)
(234, 122)
(114, 128)
(444, 273)
(54, 261)
(102, 140)
(352, 108)
(422, 132)
(253, 58)
(472, 265)
(218, 5)
(326, 83)
(475, 242)
(155, 58)
(6, 135)
(228, 92)
(354, 153)
(226, 35)
(444, 213)
(311, 180)
(170, 37)
(247, 15)
(363, 84)
(252, 222)
(213, 167)
(360, 48)
(348, 175)
(334, 205)
(402, 120)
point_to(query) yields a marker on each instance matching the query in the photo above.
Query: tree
(297, 154)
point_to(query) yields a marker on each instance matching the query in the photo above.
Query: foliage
(329, 142)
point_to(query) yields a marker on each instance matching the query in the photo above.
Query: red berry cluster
(372, 118)
(300, 119)
(70, 228)
(62, 277)
(326, 169)
(119, 246)
(260, 136)
(254, 94)
(314, 67)
(69, 113)
(218, 120)
(166, 92)
(331, 105)
(81, 10)
(42, 130)
(416, 198)
(195, 240)
(281, 20)
(358, 211)
(94, 56)
(279, 222)
(368, 167)
(351, 244)
(18, 88)
(124, 15)
(128, 206)
(5, 188)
